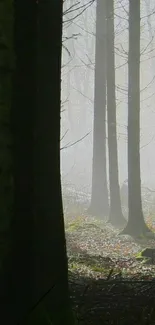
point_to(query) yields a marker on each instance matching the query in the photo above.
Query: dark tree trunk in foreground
(24, 103)
(136, 225)
(115, 216)
(99, 197)
(51, 261)
(19, 283)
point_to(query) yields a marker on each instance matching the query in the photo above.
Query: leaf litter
(95, 247)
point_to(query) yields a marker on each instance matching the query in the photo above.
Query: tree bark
(115, 216)
(6, 62)
(50, 251)
(37, 261)
(18, 268)
(99, 196)
(136, 225)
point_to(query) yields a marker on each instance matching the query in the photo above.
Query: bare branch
(145, 145)
(64, 135)
(74, 143)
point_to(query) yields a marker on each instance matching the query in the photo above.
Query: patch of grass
(87, 268)
(74, 266)
(100, 269)
(74, 225)
(83, 261)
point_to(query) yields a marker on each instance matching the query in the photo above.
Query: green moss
(146, 252)
(139, 255)
(74, 266)
(96, 268)
(78, 263)
(73, 226)
(143, 256)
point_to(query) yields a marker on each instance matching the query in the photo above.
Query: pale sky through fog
(78, 92)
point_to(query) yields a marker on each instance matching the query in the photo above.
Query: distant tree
(51, 269)
(99, 196)
(136, 224)
(124, 194)
(115, 216)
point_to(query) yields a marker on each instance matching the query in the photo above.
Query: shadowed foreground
(113, 301)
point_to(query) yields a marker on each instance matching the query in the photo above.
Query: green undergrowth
(73, 224)
(85, 265)
(147, 255)
(140, 254)
(95, 269)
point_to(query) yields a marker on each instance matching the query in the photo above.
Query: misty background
(78, 61)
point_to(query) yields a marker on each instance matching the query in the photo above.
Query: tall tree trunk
(19, 268)
(115, 216)
(6, 159)
(51, 261)
(24, 103)
(6, 65)
(99, 197)
(136, 224)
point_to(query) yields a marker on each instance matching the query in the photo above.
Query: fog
(78, 93)
(109, 214)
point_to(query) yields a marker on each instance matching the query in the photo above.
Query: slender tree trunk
(99, 197)
(51, 261)
(136, 224)
(115, 216)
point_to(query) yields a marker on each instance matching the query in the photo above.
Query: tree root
(138, 231)
(117, 221)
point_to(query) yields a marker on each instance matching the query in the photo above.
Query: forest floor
(109, 284)
(95, 248)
